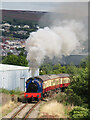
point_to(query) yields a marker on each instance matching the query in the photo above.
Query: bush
(61, 97)
(15, 92)
(12, 92)
(2, 90)
(79, 112)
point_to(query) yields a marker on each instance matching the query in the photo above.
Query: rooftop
(5, 67)
(52, 76)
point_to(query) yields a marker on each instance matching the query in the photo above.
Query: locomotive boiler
(40, 86)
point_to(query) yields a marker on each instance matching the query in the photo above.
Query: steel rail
(14, 115)
(30, 110)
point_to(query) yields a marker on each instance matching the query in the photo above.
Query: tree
(22, 61)
(10, 59)
(22, 53)
(15, 60)
(84, 62)
(78, 89)
(79, 112)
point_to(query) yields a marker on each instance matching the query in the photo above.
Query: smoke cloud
(54, 41)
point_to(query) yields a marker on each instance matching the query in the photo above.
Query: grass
(8, 107)
(0, 105)
(12, 92)
(53, 108)
(2, 90)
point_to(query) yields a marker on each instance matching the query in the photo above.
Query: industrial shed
(14, 77)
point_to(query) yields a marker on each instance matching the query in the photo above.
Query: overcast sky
(33, 6)
(44, 0)
(80, 8)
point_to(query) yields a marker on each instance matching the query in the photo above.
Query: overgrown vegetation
(2, 90)
(77, 93)
(52, 69)
(11, 92)
(16, 60)
(79, 112)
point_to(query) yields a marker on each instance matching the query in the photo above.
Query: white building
(14, 77)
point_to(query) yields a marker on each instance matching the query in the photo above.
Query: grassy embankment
(8, 101)
(55, 108)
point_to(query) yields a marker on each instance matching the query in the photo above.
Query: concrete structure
(14, 77)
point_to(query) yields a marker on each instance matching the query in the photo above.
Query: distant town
(13, 38)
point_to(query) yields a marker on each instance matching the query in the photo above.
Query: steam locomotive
(41, 86)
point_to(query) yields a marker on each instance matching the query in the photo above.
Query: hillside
(66, 60)
(21, 15)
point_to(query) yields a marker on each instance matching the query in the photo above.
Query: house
(26, 26)
(6, 24)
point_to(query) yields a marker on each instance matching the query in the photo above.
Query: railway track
(30, 110)
(27, 113)
(15, 114)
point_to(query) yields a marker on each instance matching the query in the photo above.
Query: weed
(2, 90)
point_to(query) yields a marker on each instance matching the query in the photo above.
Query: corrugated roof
(43, 77)
(63, 75)
(52, 76)
(5, 67)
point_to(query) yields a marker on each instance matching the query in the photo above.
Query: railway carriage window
(51, 82)
(56, 81)
(63, 80)
(60, 80)
(45, 83)
(67, 80)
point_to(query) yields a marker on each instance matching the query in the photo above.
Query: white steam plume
(55, 41)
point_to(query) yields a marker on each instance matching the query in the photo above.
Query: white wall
(10, 79)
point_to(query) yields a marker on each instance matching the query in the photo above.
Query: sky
(44, 0)
(34, 5)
